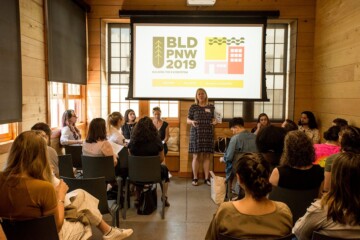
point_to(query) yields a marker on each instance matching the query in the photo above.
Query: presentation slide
(170, 61)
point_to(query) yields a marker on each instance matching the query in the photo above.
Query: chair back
(123, 158)
(98, 167)
(319, 236)
(144, 169)
(226, 237)
(33, 229)
(75, 151)
(94, 186)
(66, 166)
(297, 200)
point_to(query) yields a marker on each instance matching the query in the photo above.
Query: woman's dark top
(162, 133)
(293, 178)
(126, 129)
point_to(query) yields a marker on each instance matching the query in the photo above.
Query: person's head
(201, 96)
(129, 116)
(157, 112)
(343, 198)
(253, 173)
(289, 125)
(115, 119)
(97, 131)
(144, 131)
(69, 117)
(332, 134)
(340, 122)
(350, 139)
(308, 118)
(29, 155)
(298, 150)
(43, 127)
(263, 119)
(236, 123)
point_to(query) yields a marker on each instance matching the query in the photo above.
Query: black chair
(297, 200)
(319, 236)
(66, 166)
(102, 167)
(75, 151)
(226, 237)
(33, 229)
(144, 170)
(96, 187)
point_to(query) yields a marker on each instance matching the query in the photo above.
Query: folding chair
(66, 166)
(75, 151)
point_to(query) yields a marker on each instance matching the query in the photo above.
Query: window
(276, 77)
(6, 132)
(119, 40)
(65, 96)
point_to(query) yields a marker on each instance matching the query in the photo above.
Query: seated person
(350, 142)
(130, 122)
(340, 122)
(330, 147)
(289, 125)
(70, 134)
(270, 143)
(254, 216)
(263, 121)
(296, 170)
(96, 143)
(53, 157)
(27, 192)
(114, 123)
(337, 213)
(145, 141)
(308, 125)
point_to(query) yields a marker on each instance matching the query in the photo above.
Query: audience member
(337, 214)
(162, 127)
(330, 147)
(201, 144)
(296, 170)
(340, 122)
(27, 192)
(130, 123)
(270, 143)
(114, 123)
(263, 121)
(53, 157)
(254, 216)
(242, 141)
(308, 125)
(145, 141)
(350, 142)
(70, 134)
(289, 125)
(96, 143)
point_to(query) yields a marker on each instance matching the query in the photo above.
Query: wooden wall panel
(336, 85)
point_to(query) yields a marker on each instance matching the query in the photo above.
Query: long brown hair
(28, 154)
(343, 198)
(65, 122)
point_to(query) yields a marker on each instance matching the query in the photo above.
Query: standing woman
(201, 118)
(162, 127)
(70, 134)
(263, 121)
(130, 123)
(114, 123)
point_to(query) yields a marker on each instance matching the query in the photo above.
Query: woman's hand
(194, 123)
(61, 190)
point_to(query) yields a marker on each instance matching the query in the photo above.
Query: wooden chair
(66, 166)
(297, 200)
(97, 188)
(319, 236)
(75, 151)
(33, 229)
(226, 237)
(102, 167)
(144, 170)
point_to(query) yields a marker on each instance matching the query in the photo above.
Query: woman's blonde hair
(28, 154)
(196, 100)
(113, 120)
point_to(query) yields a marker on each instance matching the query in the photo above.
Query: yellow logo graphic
(158, 52)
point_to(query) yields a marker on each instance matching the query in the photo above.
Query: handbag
(221, 144)
(218, 188)
(148, 200)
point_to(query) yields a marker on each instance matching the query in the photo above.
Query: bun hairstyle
(156, 109)
(350, 139)
(332, 134)
(254, 173)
